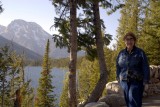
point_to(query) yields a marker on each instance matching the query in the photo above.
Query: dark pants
(133, 93)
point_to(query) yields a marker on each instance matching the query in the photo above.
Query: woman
(132, 71)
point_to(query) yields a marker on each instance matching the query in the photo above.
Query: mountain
(2, 29)
(31, 36)
(19, 49)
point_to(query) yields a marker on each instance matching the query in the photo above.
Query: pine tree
(142, 18)
(151, 32)
(88, 76)
(91, 40)
(64, 100)
(68, 18)
(5, 68)
(20, 89)
(73, 54)
(129, 21)
(110, 57)
(27, 95)
(9, 75)
(16, 78)
(45, 96)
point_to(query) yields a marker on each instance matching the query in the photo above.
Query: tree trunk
(97, 92)
(73, 55)
(17, 102)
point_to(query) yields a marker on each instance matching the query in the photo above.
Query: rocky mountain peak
(2, 29)
(31, 36)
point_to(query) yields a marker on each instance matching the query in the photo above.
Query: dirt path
(152, 101)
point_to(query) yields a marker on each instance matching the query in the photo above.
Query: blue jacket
(136, 62)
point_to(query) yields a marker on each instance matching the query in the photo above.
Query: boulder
(114, 88)
(113, 100)
(154, 80)
(97, 104)
(154, 71)
(158, 85)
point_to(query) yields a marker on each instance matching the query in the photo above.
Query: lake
(34, 73)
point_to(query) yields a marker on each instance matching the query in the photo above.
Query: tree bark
(98, 90)
(17, 102)
(73, 54)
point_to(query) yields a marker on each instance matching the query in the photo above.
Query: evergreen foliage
(151, 32)
(89, 35)
(67, 20)
(63, 62)
(5, 68)
(45, 96)
(59, 63)
(142, 18)
(12, 80)
(27, 95)
(88, 76)
(64, 100)
(85, 27)
(129, 21)
(110, 57)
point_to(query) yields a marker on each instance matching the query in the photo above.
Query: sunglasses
(129, 39)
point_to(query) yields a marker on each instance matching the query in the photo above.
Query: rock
(145, 94)
(154, 71)
(113, 100)
(97, 104)
(146, 87)
(156, 91)
(154, 80)
(152, 89)
(158, 71)
(80, 105)
(114, 88)
(158, 85)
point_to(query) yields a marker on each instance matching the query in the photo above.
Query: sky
(42, 12)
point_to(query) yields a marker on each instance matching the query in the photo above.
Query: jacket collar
(132, 51)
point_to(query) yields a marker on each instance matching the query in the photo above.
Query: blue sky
(42, 12)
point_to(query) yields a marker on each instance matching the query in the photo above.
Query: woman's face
(129, 41)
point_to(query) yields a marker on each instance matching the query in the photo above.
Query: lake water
(58, 74)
